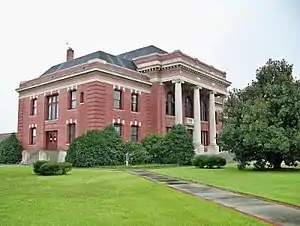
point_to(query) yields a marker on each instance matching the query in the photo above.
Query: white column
(212, 148)
(199, 148)
(178, 101)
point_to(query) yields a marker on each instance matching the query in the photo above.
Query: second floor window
(33, 110)
(71, 132)
(32, 136)
(203, 111)
(52, 107)
(117, 99)
(82, 97)
(118, 128)
(134, 102)
(72, 99)
(134, 133)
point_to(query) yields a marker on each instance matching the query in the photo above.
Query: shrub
(209, 161)
(10, 150)
(138, 154)
(47, 168)
(65, 167)
(153, 144)
(37, 165)
(199, 161)
(178, 146)
(96, 148)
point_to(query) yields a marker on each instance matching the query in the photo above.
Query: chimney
(70, 54)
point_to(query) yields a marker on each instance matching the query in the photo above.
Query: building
(142, 91)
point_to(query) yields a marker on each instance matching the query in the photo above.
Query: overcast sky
(237, 36)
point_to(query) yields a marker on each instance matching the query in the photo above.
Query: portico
(196, 91)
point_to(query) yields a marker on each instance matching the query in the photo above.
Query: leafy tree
(153, 144)
(178, 146)
(10, 150)
(138, 154)
(262, 121)
(96, 148)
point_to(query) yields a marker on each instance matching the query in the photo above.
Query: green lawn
(102, 197)
(280, 186)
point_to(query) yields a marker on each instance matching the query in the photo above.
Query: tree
(178, 146)
(262, 121)
(10, 150)
(138, 154)
(96, 148)
(153, 144)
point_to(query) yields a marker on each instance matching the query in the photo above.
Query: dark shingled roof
(142, 52)
(122, 60)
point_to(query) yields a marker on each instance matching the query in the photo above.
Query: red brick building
(142, 91)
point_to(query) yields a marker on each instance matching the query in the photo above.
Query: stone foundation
(30, 157)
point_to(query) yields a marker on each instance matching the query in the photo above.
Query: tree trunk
(277, 162)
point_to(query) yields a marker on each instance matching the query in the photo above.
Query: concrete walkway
(268, 211)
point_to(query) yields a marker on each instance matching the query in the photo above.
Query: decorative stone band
(33, 97)
(52, 92)
(136, 91)
(72, 88)
(135, 123)
(118, 121)
(71, 121)
(33, 126)
(119, 87)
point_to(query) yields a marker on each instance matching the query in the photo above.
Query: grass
(102, 197)
(278, 186)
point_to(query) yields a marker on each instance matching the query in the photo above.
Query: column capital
(197, 87)
(178, 81)
(213, 92)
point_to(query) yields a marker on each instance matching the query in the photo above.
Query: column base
(61, 156)
(199, 149)
(212, 149)
(42, 156)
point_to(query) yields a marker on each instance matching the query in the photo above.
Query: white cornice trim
(196, 83)
(95, 79)
(80, 73)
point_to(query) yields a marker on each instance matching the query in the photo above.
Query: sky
(237, 36)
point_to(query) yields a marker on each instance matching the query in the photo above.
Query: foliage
(37, 165)
(10, 150)
(138, 154)
(96, 148)
(153, 144)
(262, 122)
(47, 168)
(209, 161)
(178, 146)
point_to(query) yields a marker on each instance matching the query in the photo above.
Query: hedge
(209, 161)
(47, 168)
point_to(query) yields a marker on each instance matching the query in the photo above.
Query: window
(118, 128)
(32, 136)
(188, 107)
(33, 110)
(203, 112)
(71, 132)
(134, 102)
(117, 99)
(52, 107)
(204, 138)
(81, 97)
(134, 133)
(216, 117)
(170, 104)
(72, 99)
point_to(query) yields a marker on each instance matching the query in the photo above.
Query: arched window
(203, 112)
(170, 104)
(188, 107)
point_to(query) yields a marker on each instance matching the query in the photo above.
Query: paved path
(268, 211)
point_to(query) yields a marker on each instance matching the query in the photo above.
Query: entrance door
(51, 139)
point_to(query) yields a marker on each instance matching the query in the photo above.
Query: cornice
(184, 66)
